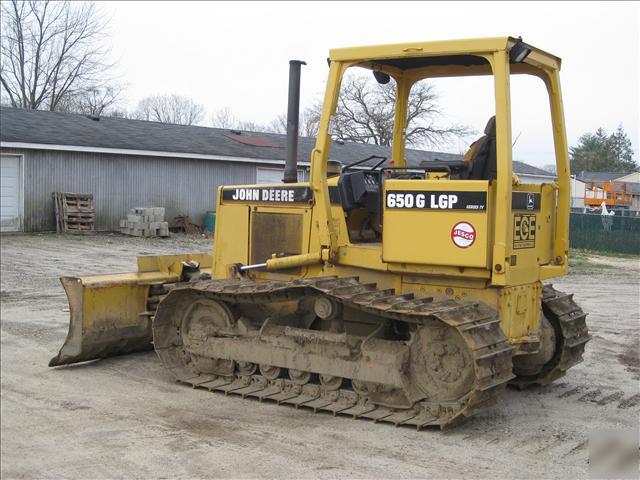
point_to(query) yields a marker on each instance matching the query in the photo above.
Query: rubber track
(569, 322)
(477, 323)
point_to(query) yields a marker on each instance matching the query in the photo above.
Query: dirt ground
(125, 418)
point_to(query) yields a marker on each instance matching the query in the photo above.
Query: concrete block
(135, 232)
(145, 222)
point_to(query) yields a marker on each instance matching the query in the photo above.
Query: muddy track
(477, 324)
(569, 323)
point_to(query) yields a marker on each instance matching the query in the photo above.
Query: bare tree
(250, 126)
(94, 101)
(119, 113)
(309, 121)
(365, 114)
(51, 51)
(170, 109)
(278, 124)
(308, 126)
(223, 118)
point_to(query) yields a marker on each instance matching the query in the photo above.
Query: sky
(235, 55)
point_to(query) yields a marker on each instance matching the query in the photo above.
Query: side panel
(255, 222)
(532, 232)
(231, 243)
(283, 231)
(271, 232)
(520, 312)
(435, 222)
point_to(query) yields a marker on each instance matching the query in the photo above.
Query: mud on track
(124, 417)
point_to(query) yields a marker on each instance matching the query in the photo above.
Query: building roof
(598, 176)
(628, 177)
(55, 128)
(21, 126)
(522, 168)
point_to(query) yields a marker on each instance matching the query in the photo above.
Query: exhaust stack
(293, 120)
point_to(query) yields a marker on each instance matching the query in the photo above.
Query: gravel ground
(124, 417)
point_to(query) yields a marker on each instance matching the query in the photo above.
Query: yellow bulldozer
(399, 293)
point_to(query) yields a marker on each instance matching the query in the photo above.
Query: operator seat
(481, 157)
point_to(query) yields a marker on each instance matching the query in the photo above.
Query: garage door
(9, 193)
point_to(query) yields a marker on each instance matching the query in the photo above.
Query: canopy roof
(454, 53)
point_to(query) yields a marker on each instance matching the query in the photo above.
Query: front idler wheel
(442, 366)
(203, 319)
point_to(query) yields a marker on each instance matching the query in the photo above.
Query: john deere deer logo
(531, 201)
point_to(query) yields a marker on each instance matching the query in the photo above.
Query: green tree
(601, 152)
(621, 148)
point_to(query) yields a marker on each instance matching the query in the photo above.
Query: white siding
(265, 175)
(528, 178)
(633, 177)
(577, 193)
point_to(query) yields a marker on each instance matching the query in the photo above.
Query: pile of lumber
(74, 212)
(145, 222)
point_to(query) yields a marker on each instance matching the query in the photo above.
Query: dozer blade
(111, 314)
(106, 319)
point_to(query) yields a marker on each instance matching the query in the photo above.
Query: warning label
(524, 231)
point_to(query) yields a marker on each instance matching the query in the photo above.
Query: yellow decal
(524, 231)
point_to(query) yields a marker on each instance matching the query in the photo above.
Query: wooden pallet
(74, 212)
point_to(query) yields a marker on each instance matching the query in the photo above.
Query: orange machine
(613, 194)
